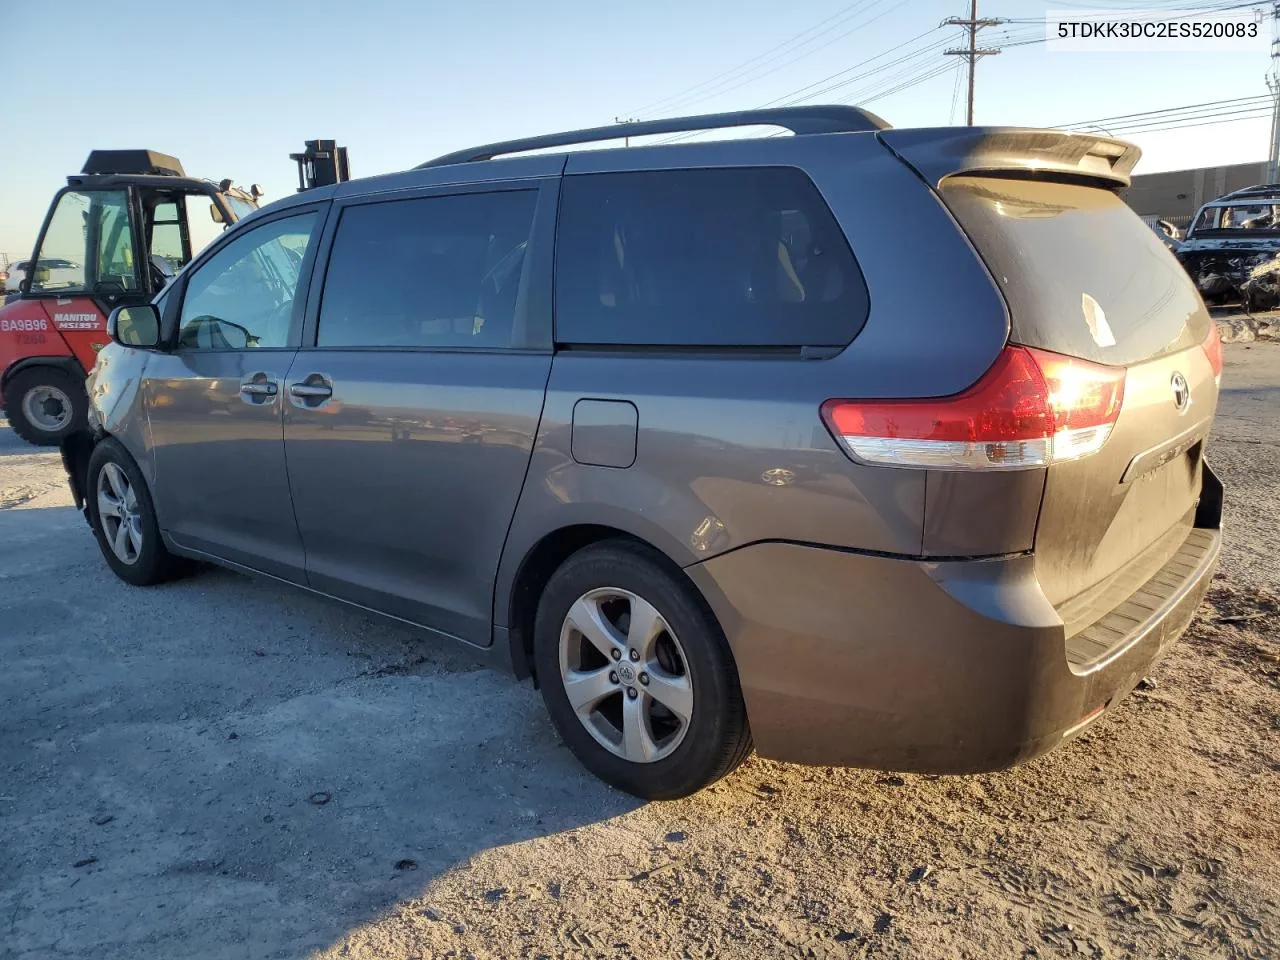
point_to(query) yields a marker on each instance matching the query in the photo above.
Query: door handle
(257, 388)
(311, 391)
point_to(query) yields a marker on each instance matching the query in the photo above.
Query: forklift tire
(45, 404)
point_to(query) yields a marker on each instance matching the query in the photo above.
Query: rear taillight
(1032, 408)
(1213, 350)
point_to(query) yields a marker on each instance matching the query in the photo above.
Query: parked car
(658, 427)
(13, 277)
(64, 273)
(1232, 250)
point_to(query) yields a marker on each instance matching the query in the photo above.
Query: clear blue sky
(232, 87)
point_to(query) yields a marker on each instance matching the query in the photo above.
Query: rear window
(747, 257)
(1081, 272)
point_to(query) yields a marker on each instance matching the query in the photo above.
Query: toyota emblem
(1181, 391)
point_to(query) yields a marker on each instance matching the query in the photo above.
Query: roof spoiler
(941, 152)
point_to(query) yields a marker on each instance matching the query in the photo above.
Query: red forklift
(114, 235)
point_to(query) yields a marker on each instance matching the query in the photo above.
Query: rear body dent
(897, 664)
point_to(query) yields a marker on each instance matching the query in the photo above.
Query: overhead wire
(1166, 112)
(955, 92)
(808, 92)
(735, 83)
(746, 65)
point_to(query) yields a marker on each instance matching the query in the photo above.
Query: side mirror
(135, 326)
(215, 213)
(255, 191)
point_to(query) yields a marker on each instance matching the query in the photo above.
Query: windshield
(241, 208)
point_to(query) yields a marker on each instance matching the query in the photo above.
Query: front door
(410, 422)
(214, 402)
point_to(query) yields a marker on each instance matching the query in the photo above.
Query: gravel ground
(223, 768)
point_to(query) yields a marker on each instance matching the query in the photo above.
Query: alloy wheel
(625, 674)
(119, 514)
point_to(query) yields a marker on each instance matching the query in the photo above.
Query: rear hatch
(1084, 277)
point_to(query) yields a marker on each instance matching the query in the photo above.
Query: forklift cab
(122, 228)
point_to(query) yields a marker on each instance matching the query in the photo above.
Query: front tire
(123, 518)
(45, 404)
(637, 675)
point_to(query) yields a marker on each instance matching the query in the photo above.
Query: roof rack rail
(1255, 190)
(835, 118)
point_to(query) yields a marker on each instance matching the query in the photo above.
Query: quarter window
(441, 272)
(244, 295)
(732, 257)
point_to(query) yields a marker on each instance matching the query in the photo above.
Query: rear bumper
(953, 667)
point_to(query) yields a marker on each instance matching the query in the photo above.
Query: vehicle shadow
(13, 445)
(222, 766)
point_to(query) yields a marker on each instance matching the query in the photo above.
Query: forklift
(115, 235)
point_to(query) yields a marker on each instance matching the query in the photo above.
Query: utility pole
(972, 53)
(626, 141)
(1273, 84)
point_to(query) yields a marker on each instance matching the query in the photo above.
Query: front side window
(440, 272)
(244, 295)
(89, 244)
(202, 228)
(731, 257)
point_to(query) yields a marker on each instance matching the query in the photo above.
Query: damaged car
(1232, 250)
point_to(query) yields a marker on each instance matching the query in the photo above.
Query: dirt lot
(222, 768)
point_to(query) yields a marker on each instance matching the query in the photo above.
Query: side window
(428, 272)
(1208, 219)
(243, 296)
(730, 257)
(166, 237)
(201, 226)
(89, 242)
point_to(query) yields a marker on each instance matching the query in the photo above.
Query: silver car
(861, 446)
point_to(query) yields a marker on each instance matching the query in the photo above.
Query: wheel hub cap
(47, 408)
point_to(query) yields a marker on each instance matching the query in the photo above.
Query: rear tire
(45, 404)
(123, 518)
(621, 728)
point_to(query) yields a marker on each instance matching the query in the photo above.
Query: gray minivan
(859, 446)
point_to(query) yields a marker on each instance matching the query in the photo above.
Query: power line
(808, 92)
(1107, 121)
(780, 59)
(1206, 123)
(747, 64)
(862, 63)
(905, 58)
(786, 63)
(1132, 128)
(955, 94)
